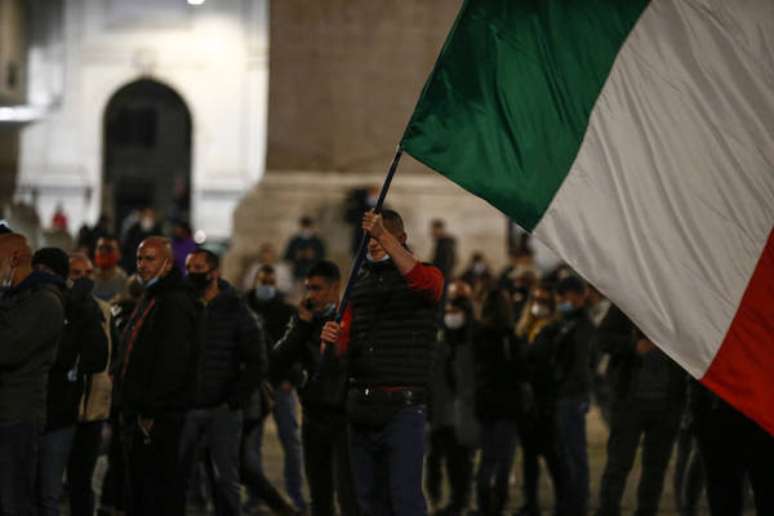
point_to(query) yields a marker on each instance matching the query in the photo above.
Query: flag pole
(363, 246)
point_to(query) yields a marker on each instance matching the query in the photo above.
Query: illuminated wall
(214, 55)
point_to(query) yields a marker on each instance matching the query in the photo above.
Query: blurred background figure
(304, 249)
(454, 430)
(444, 248)
(267, 255)
(109, 278)
(182, 242)
(500, 373)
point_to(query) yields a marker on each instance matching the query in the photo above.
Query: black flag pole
(363, 246)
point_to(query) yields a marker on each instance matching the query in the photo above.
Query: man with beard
(155, 378)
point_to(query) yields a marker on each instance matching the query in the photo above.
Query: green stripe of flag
(504, 112)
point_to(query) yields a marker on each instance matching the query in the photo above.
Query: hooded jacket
(32, 318)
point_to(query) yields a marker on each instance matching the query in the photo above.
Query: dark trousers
(387, 464)
(80, 468)
(328, 467)
(114, 485)
(19, 442)
(251, 470)
(656, 424)
(153, 466)
(540, 437)
(733, 447)
(571, 416)
(221, 430)
(445, 449)
(498, 448)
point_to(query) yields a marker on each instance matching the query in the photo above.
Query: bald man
(155, 376)
(31, 323)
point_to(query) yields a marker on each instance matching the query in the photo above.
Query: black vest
(393, 330)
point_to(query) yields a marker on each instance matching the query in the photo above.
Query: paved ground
(597, 436)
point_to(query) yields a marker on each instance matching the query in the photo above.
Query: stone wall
(345, 76)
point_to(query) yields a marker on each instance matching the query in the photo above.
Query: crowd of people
(415, 397)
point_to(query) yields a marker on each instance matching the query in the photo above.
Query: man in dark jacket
(269, 304)
(648, 394)
(155, 377)
(232, 365)
(27, 351)
(561, 378)
(324, 429)
(388, 335)
(82, 350)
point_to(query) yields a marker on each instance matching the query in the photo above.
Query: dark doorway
(147, 152)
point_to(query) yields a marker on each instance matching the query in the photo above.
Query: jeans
(327, 462)
(571, 416)
(53, 455)
(656, 423)
(80, 469)
(19, 442)
(387, 464)
(288, 430)
(498, 448)
(221, 427)
(258, 486)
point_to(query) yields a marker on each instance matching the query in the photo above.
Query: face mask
(105, 261)
(454, 321)
(199, 280)
(307, 233)
(382, 259)
(479, 268)
(565, 308)
(539, 310)
(265, 292)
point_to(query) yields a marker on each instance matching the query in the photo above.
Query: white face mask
(372, 260)
(538, 310)
(454, 320)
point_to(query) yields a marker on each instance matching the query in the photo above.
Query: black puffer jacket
(233, 362)
(159, 374)
(393, 330)
(617, 335)
(31, 324)
(326, 380)
(82, 350)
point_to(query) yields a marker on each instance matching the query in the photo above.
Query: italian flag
(636, 139)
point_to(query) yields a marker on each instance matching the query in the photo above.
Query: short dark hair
(306, 221)
(393, 220)
(325, 269)
(53, 258)
(212, 259)
(571, 283)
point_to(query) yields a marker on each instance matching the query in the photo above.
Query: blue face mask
(565, 308)
(265, 292)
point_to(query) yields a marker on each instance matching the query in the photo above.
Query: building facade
(153, 103)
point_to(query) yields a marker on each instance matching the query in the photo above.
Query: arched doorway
(147, 152)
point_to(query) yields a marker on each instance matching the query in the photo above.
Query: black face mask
(199, 280)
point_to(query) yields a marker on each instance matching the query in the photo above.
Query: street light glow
(195, 2)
